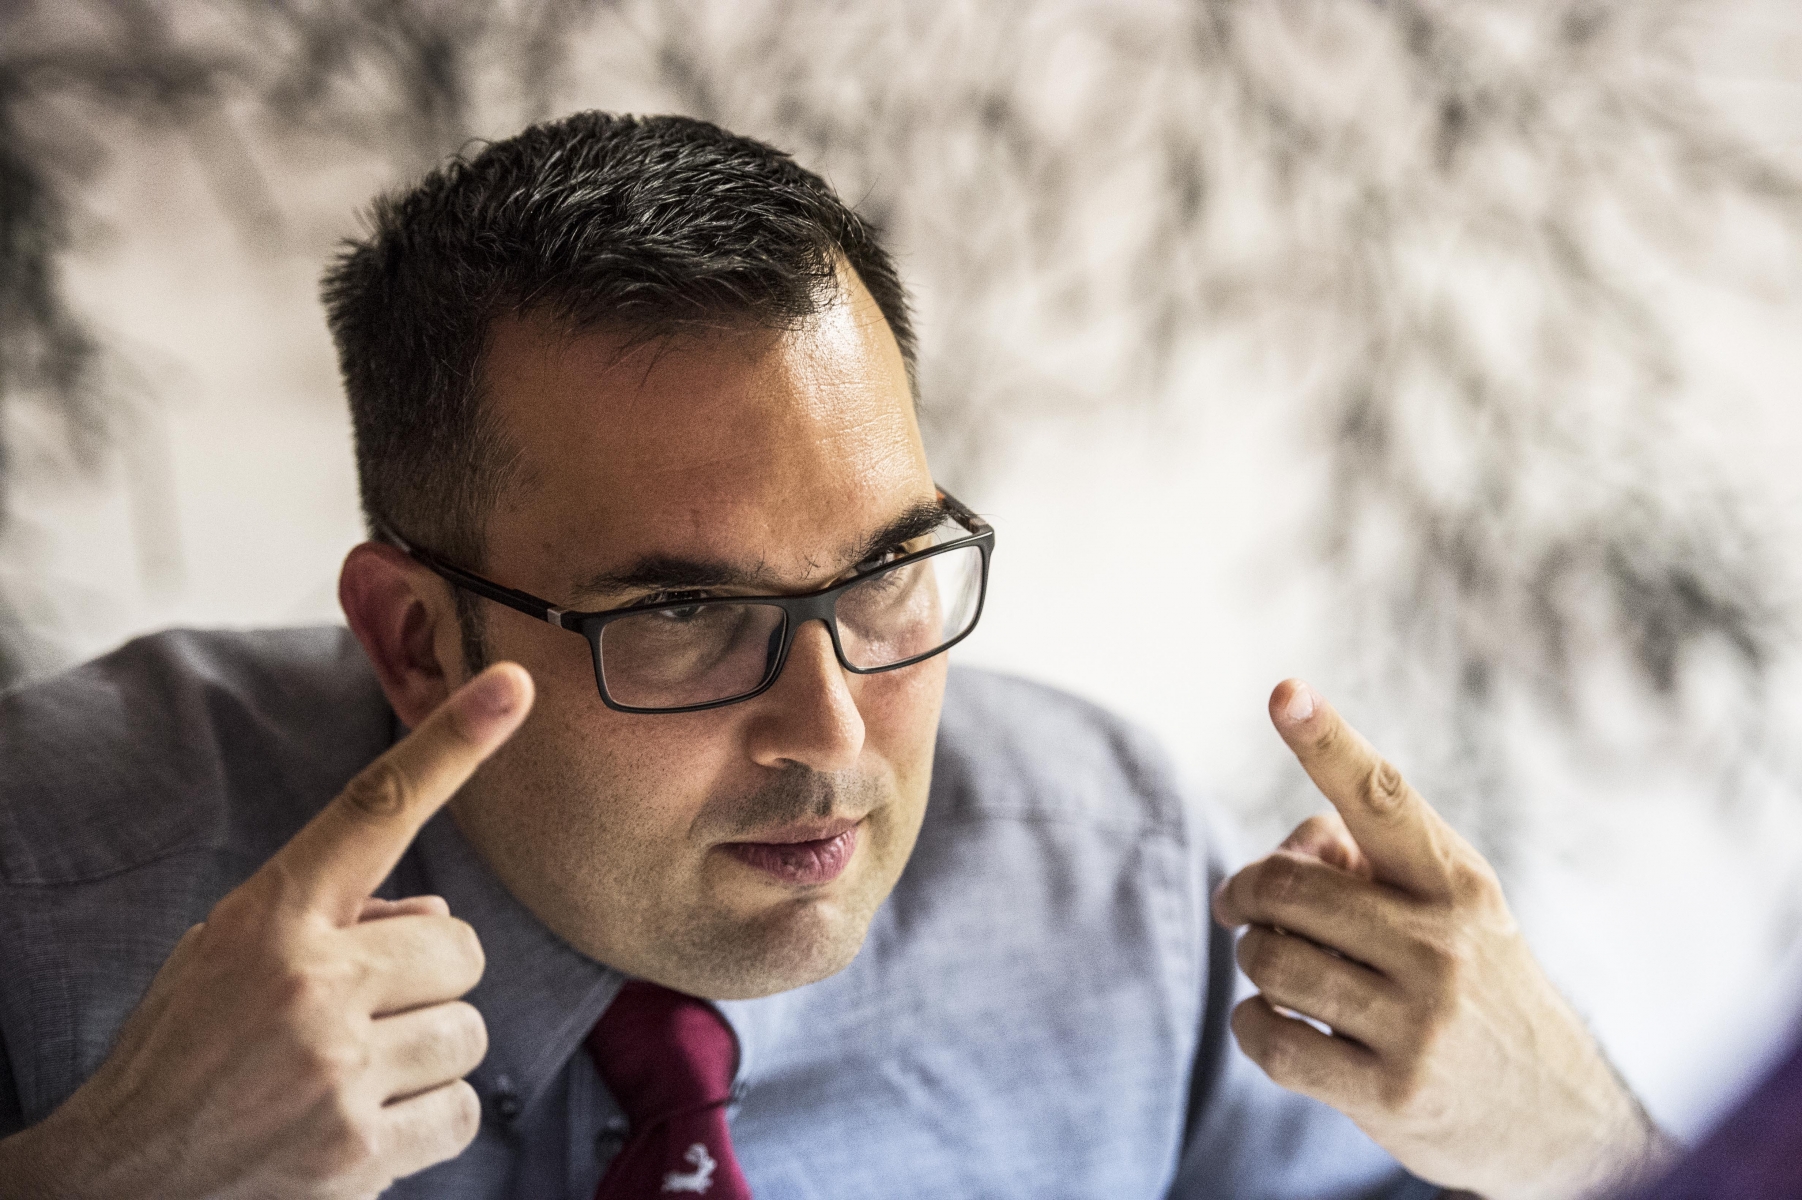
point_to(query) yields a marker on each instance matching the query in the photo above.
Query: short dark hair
(649, 225)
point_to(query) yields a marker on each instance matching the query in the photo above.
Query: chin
(789, 946)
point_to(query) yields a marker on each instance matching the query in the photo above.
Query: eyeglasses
(683, 655)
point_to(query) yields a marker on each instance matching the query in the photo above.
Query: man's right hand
(306, 1040)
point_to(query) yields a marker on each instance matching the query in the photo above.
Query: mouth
(804, 854)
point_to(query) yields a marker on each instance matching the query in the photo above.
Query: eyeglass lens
(677, 657)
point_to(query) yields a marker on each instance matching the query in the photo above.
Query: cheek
(901, 716)
(640, 778)
(585, 771)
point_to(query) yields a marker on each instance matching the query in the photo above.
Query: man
(660, 585)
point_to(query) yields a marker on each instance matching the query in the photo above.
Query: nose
(810, 717)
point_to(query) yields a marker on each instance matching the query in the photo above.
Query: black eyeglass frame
(797, 610)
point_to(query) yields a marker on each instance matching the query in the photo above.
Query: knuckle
(1438, 958)
(1446, 966)
(1435, 1024)
(1279, 1060)
(318, 985)
(1230, 899)
(255, 906)
(1265, 1040)
(464, 1116)
(1327, 741)
(1248, 1029)
(1261, 957)
(1458, 955)
(247, 913)
(1284, 1059)
(1353, 1006)
(1436, 1000)
(1318, 828)
(353, 1146)
(333, 1067)
(1475, 883)
(465, 1035)
(1383, 789)
(379, 791)
(1276, 883)
(436, 906)
(300, 991)
(1403, 1089)
(469, 949)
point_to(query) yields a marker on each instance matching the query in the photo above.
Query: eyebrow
(662, 571)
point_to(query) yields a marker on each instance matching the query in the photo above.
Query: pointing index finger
(345, 852)
(1406, 843)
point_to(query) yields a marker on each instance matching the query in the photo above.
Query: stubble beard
(582, 860)
(726, 953)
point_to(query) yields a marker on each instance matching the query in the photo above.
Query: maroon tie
(668, 1059)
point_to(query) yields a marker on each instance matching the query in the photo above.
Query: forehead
(768, 448)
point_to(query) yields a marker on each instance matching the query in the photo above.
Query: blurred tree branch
(1454, 226)
(395, 78)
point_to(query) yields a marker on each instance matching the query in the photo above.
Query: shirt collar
(538, 995)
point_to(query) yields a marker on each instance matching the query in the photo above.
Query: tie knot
(661, 1052)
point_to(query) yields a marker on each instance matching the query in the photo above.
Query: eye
(670, 597)
(892, 554)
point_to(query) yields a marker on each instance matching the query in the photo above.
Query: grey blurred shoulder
(184, 740)
(1009, 746)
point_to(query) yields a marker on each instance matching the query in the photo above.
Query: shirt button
(507, 1103)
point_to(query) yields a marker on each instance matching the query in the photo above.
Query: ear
(406, 618)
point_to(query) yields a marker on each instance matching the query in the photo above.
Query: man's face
(742, 850)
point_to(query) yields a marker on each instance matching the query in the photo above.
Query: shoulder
(160, 746)
(1010, 747)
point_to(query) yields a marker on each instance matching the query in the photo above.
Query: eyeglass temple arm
(961, 511)
(523, 602)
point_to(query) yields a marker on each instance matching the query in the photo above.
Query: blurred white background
(1444, 355)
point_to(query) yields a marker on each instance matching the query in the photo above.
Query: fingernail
(1301, 703)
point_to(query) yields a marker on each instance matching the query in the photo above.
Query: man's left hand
(1449, 1045)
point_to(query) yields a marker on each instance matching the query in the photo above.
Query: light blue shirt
(1040, 1009)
